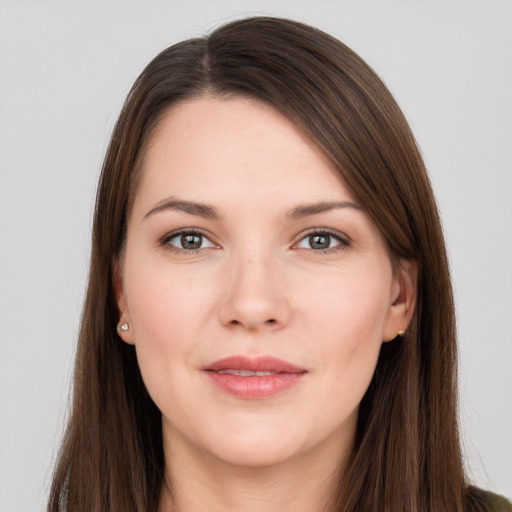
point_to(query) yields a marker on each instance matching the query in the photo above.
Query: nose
(255, 297)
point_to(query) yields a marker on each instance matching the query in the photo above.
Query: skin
(254, 286)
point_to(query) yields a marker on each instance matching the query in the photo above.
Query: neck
(197, 481)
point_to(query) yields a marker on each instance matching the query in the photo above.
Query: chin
(254, 454)
(259, 443)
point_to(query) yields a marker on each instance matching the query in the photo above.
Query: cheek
(351, 305)
(346, 324)
(166, 304)
(167, 311)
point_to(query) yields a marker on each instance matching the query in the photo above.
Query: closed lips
(254, 378)
(248, 373)
(250, 366)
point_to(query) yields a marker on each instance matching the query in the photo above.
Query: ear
(124, 314)
(402, 299)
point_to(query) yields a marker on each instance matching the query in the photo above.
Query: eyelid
(164, 241)
(342, 238)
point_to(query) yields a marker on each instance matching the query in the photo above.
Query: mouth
(247, 373)
(254, 378)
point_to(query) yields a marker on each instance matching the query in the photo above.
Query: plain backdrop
(65, 68)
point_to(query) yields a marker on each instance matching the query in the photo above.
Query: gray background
(65, 68)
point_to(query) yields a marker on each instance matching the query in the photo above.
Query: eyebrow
(315, 208)
(199, 209)
(210, 212)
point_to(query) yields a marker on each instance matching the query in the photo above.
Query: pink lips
(254, 377)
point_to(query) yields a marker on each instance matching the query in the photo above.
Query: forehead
(221, 150)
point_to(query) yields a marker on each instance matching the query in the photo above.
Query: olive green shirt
(496, 503)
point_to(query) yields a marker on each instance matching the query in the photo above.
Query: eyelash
(185, 232)
(344, 242)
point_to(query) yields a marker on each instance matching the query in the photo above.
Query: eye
(323, 240)
(187, 241)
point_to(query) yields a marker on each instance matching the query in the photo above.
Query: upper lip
(255, 364)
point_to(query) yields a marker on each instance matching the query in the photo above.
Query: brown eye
(188, 241)
(191, 241)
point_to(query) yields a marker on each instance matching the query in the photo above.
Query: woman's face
(256, 289)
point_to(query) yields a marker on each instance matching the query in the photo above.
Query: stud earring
(400, 333)
(124, 327)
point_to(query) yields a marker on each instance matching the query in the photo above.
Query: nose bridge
(255, 298)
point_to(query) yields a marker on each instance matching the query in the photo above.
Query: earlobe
(123, 325)
(403, 299)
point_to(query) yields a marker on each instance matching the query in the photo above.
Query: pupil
(191, 241)
(319, 241)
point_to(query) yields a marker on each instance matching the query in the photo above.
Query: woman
(269, 320)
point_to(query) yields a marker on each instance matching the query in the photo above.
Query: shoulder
(487, 501)
(497, 503)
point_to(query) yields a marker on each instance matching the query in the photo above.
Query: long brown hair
(406, 456)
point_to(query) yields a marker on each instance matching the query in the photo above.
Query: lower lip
(255, 387)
